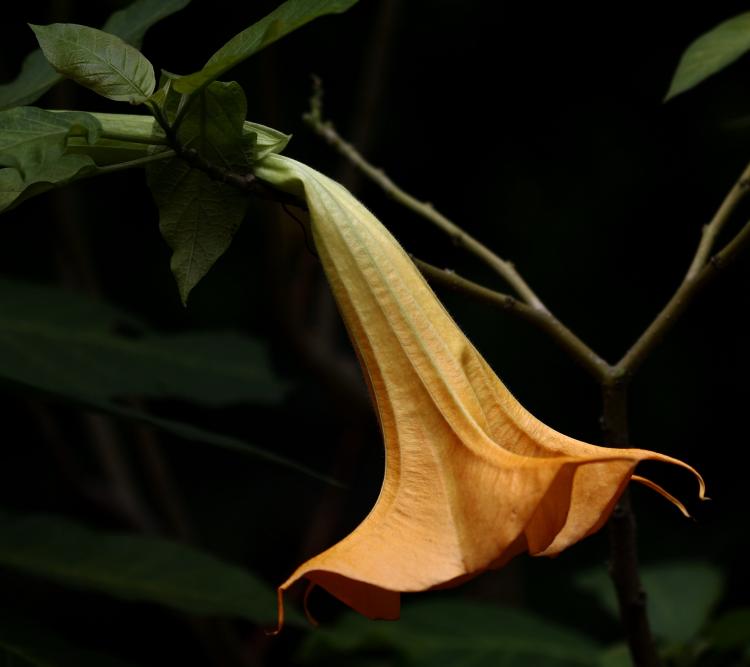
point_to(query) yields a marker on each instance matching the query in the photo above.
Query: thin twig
(666, 319)
(597, 367)
(702, 269)
(504, 268)
(712, 229)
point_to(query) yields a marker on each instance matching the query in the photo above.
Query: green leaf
(166, 98)
(37, 76)
(25, 644)
(97, 60)
(16, 188)
(64, 343)
(681, 596)
(456, 633)
(131, 567)
(214, 125)
(32, 147)
(34, 136)
(710, 53)
(284, 19)
(198, 216)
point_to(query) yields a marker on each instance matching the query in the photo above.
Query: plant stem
(504, 268)
(623, 565)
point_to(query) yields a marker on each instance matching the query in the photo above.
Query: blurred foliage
(681, 596)
(133, 568)
(451, 633)
(64, 343)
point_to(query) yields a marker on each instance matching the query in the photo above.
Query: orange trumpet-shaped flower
(471, 478)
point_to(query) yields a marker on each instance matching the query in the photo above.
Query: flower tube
(471, 477)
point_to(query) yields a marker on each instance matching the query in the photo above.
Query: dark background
(541, 131)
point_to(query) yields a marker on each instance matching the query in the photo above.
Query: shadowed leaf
(15, 189)
(214, 125)
(61, 342)
(196, 434)
(132, 567)
(456, 633)
(35, 78)
(132, 23)
(681, 596)
(198, 216)
(67, 346)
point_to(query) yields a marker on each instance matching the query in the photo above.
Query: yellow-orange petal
(471, 477)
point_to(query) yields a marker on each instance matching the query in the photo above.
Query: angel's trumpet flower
(471, 478)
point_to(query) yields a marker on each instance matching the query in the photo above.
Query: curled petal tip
(662, 492)
(308, 614)
(272, 632)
